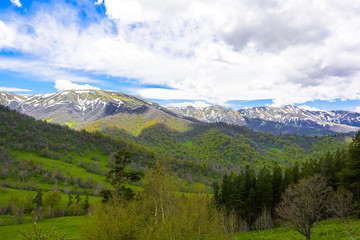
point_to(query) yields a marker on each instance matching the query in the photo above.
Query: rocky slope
(211, 114)
(77, 108)
(335, 121)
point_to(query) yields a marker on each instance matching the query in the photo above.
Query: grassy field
(68, 226)
(326, 230)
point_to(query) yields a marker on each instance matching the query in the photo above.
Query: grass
(67, 168)
(68, 226)
(325, 230)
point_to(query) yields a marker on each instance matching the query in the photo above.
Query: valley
(67, 144)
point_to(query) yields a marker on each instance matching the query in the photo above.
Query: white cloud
(357, 109)
(196, 104)
(11, 89)
(16, 2)
(305, 107)
(61, 85)
(98, 2)
(288, 51)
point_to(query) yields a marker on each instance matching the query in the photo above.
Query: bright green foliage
(36, 234)
(157, 213)
(52, 199)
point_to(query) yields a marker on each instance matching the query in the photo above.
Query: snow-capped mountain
(288, 119)
(336, 121)
(211, 114)
(77, 107)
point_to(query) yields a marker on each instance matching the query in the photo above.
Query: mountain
(211, 114)
(278, 120)
(291, 116)
(76, 108)
(111, 111)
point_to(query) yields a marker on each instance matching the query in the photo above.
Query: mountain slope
(134, 123)
(77, 108)
(211, 114)
(335, 121)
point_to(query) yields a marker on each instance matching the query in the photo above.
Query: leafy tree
(52, 199)
(305, 203)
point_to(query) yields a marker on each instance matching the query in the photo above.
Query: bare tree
(342, 203)
(305, 203)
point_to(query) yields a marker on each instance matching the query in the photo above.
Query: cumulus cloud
(357, 109)
(61, 85)
(12, 89)
(16, 3)
(196, 104)
(287, 51)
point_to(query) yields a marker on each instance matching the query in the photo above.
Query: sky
(234, 53)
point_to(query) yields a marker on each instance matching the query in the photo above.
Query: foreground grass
(68, 226)
(326, 230)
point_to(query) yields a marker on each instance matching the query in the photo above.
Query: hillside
(76, 108)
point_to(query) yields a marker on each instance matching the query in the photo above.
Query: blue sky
(238, 54)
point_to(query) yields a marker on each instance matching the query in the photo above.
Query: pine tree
(120, 175)
(350, 175)
(86, 203)
(70, 200)
(277, 187)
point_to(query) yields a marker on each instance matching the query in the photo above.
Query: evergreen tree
(70, 201)
(38, 202)
(350, 175)
(78, 198)
(86, 203)
(38, 199)
(120, 175)
(277, 187)
(263, 190)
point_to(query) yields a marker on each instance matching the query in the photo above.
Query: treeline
(250, 198)
(44, 205)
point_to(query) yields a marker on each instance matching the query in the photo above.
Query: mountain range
(94, 109)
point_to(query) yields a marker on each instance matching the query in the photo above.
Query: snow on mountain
(211, 114)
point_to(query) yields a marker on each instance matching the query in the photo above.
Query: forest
(215, 182)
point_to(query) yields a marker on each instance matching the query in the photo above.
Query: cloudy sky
(236, 53)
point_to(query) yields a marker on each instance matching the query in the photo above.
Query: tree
(342, 203)
(350, 175)
(70, 200)
(86, 203)
(38, 205)
(52, 199)
(305, 203)
(120, 175)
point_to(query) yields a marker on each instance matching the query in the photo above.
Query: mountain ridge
(85, 109)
